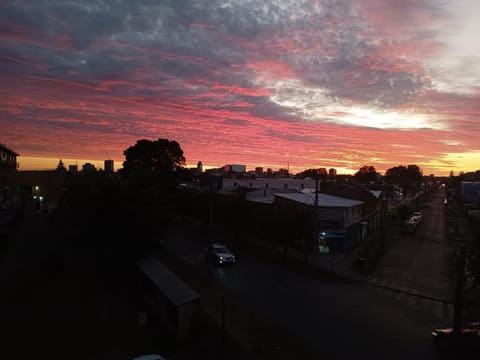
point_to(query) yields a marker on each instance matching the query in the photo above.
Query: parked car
(409, 226)
(417, 217)
(219, 254)
(150, 357)
(468, 336)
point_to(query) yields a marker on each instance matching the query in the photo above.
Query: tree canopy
(408, 176)
(404, 174)
(154, 164)
(158, 156)
(366, 174)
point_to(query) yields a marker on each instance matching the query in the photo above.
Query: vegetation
(366, 174)
(125, 214)
(154, 163)
(312, 173)
(409, 177)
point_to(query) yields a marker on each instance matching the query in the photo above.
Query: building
(9, 195)
(199, 167)
(336, 219)
(8, 166)
(108, 167)
(470, 192)
(235, 168)
(73, 169)
(170, 300)
(8, 158)
(269, 183)
(259, 171)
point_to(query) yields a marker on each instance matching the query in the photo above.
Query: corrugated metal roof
(177, 291)
(324, 200)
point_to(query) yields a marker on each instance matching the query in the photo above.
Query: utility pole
(459, 291)
(332, 251)
(223, 327)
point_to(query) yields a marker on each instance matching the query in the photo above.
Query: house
(8, 166)
(336, 219)
(9, 194)
(269, 183)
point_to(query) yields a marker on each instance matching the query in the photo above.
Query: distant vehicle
(219, 254)
(417, 217)
(150, 357)
(409, 226)
(469, 336)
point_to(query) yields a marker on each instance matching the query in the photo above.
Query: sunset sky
(272, 83)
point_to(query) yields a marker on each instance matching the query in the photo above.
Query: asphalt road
(423, 263)
(338, 320)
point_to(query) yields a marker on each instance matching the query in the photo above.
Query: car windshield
(221, 249)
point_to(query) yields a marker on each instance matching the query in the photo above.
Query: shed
(169, 298)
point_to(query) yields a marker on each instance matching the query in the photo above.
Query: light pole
(459, 291)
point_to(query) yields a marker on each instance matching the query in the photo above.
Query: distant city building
(235, 168)
(269, 172)
(259, 171)
(200, 167)
(109, 166)
(332, 172)
(73, 169)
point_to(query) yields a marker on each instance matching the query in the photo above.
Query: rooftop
(177, 291)
(324, 200)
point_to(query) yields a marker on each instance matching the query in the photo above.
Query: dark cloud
(236, 122)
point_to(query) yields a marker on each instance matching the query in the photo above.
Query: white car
(417, 217)
(149, 357)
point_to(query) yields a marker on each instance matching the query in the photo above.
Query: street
(380, 318)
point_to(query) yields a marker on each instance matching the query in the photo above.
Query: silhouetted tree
(312, 173)
(366, 174)
(408, 177)
(154, 163)
(60, 166)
